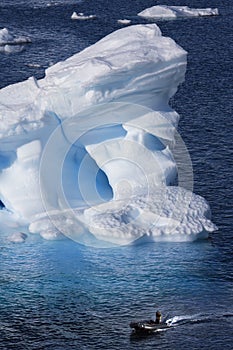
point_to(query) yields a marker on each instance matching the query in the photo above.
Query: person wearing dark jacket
(158, 317)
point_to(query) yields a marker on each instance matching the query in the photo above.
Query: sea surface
(60, 295)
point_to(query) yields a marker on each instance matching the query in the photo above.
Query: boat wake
(146, 328)
(197, 318)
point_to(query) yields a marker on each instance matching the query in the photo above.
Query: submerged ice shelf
(86, 152)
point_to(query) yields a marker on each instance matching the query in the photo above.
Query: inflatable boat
(148, 327)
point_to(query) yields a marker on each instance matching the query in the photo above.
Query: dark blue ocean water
(59, 295)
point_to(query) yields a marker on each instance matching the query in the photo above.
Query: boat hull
(148, 327)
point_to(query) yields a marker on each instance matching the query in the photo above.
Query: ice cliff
(86, 152)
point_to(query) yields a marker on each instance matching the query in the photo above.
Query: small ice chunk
(52, 234)
(81, 16)
(18, 237)
(124, 21)
(7, 38)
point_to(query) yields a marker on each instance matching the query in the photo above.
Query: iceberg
(18, 237)
(10, 42)
(91, 151)
(165, 11)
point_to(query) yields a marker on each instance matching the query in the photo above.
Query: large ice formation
(165, 11)
(87, 152)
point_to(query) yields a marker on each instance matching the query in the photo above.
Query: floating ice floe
(81, 16)
(124, 21)
(10, 42)
(87, 151)
(11, 48)
(165, 11)
(18, 237)
(34, 65)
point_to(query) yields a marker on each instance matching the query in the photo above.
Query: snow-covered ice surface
(168, 214)
(87, 152)
(165, 11)
(10, 42)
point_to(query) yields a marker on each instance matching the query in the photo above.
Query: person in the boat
(158, 317)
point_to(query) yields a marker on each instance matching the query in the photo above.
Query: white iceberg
(81, 16)
(87, 152)
(10, 42)
(165, 11)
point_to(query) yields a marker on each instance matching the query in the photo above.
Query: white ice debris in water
(10, 42)
(124, 21)
(18, 237)
(81, 16)
(87, 152)
(165, 11)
